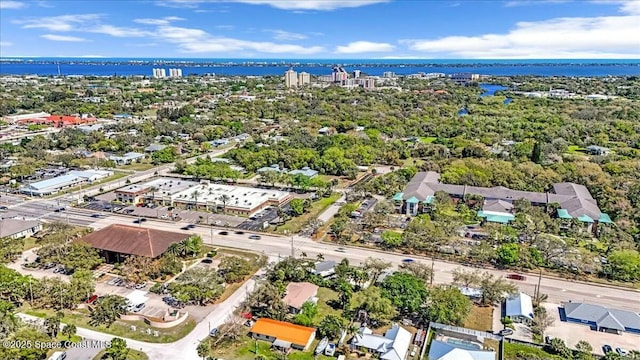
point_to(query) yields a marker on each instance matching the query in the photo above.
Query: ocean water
(265, 67)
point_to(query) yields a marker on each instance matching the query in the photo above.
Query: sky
(322, 29)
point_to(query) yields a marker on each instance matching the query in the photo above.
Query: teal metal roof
(585, 218)
(397, 196)
(564, 214)
(413, 200)
(498, 219)
(430, 199)
(605, 219)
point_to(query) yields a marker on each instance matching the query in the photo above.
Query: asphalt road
(278, 246)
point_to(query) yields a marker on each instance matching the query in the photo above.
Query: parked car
(506, 332)
(206, 261)
(516, 277)
(3, 208)
(240, 232)
(59, 270)
(48, 266)
(255, 237)
(138, 307)
(92, 299)
(115, 281)
(213, 332)
(223, 233)
(622, 351)
(248, 323)
(607, 349)
(140, 286)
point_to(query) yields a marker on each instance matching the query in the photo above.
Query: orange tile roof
(295, 334)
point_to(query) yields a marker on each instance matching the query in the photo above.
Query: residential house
(118, 241)
(16, 229)
(297, 294)
(154, 147)
(306, 171)
(519, 308)
(273, 167)
(127, 158)
(601, 318)
(457, 343)
(325, 269)
(597, 150)
(393, 345)
(282, 334)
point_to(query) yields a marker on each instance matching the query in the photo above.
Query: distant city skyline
(328, 29)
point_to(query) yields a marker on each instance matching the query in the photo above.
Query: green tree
(297, 206)
(375, 267)
(405, 291)
(624, 265)
(118, 350)
(108, 310)
(234, 268)
(379, 308)
(495, 290)
(165, 156)
(307, 314)
(331, 326)
(447, 305)
(584, 350)
(391, 239)
(204, 349)
(418, 269)
(69, 330)
(508, 254)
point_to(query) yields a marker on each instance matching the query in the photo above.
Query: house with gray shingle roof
(601, 318)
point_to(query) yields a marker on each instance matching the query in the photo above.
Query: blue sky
(329, 29)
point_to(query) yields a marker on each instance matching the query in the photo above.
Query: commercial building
(297, 294)
(393, 345)
(69, 180)
(601, 318)
(118, 241)
(232, 199)
(163, 190)
(16, 229)
(306, 171)
(290, 78)
(12, 119)
(132, 194)
(175, 73)
(574, 200)
(58, 120)
(464, 78)
(282, 334)
(159, 73)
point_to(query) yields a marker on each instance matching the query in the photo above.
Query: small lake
(490, 89)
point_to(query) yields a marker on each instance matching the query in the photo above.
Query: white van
(58, 355)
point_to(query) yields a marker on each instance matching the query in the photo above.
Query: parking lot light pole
(211, 238)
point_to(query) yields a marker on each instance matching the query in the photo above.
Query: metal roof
(602, 316)
(519, 305)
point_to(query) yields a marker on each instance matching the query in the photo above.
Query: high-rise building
(339, 74)
(356, 73)
(388, 74)
(290, 78)
(304, 78)
(159, 73)
(368, 83)
(175, 72)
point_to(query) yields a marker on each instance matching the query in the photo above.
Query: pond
(490, 89)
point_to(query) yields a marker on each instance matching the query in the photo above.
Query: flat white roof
(239, 197)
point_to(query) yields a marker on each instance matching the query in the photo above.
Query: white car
(622, 351)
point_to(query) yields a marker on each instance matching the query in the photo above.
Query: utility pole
(432, 270)
(293, 251)
(211, 227)
(537, 292)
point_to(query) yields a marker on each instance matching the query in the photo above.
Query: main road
(274, 246)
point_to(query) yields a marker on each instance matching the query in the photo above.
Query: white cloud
(286, 35)
(54, 37)
(567, 37)
(199, 41)
(364, 47)
(164, 21)
(5, 43)
(12, 4)
(117, 31)
(322, 5)
(225, 27)
(516, 3)
(58, 23)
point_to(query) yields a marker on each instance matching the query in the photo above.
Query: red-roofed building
(59, 120)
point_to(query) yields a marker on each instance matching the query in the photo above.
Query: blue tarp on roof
(413, 200)
(397, 196)
(564, 214)
(429, 200)
(585, 218)
(605, 219)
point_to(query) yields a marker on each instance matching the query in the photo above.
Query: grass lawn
(136, 166)
(254, 259)
(480, 318)
(245, 349)
(574, 148)
(132, 355)
(325, 295)
(29, 243)
(294, 225)
(520, 351)
(121, 328)
(428, 139)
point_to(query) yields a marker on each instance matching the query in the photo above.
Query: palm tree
(194, 196)
(8, 319)
(320, 257)
(69, 330)
(224, 198)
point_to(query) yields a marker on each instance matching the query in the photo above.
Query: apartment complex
(294, 79)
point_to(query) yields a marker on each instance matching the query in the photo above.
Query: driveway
(571, 333)
(332, 210)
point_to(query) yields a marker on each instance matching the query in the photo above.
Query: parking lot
(256, 222)
(571, 333)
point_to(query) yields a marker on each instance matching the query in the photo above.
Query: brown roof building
(120, 239)
(299, 293)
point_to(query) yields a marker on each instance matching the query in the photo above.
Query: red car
(516, 277)
(92, 299)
